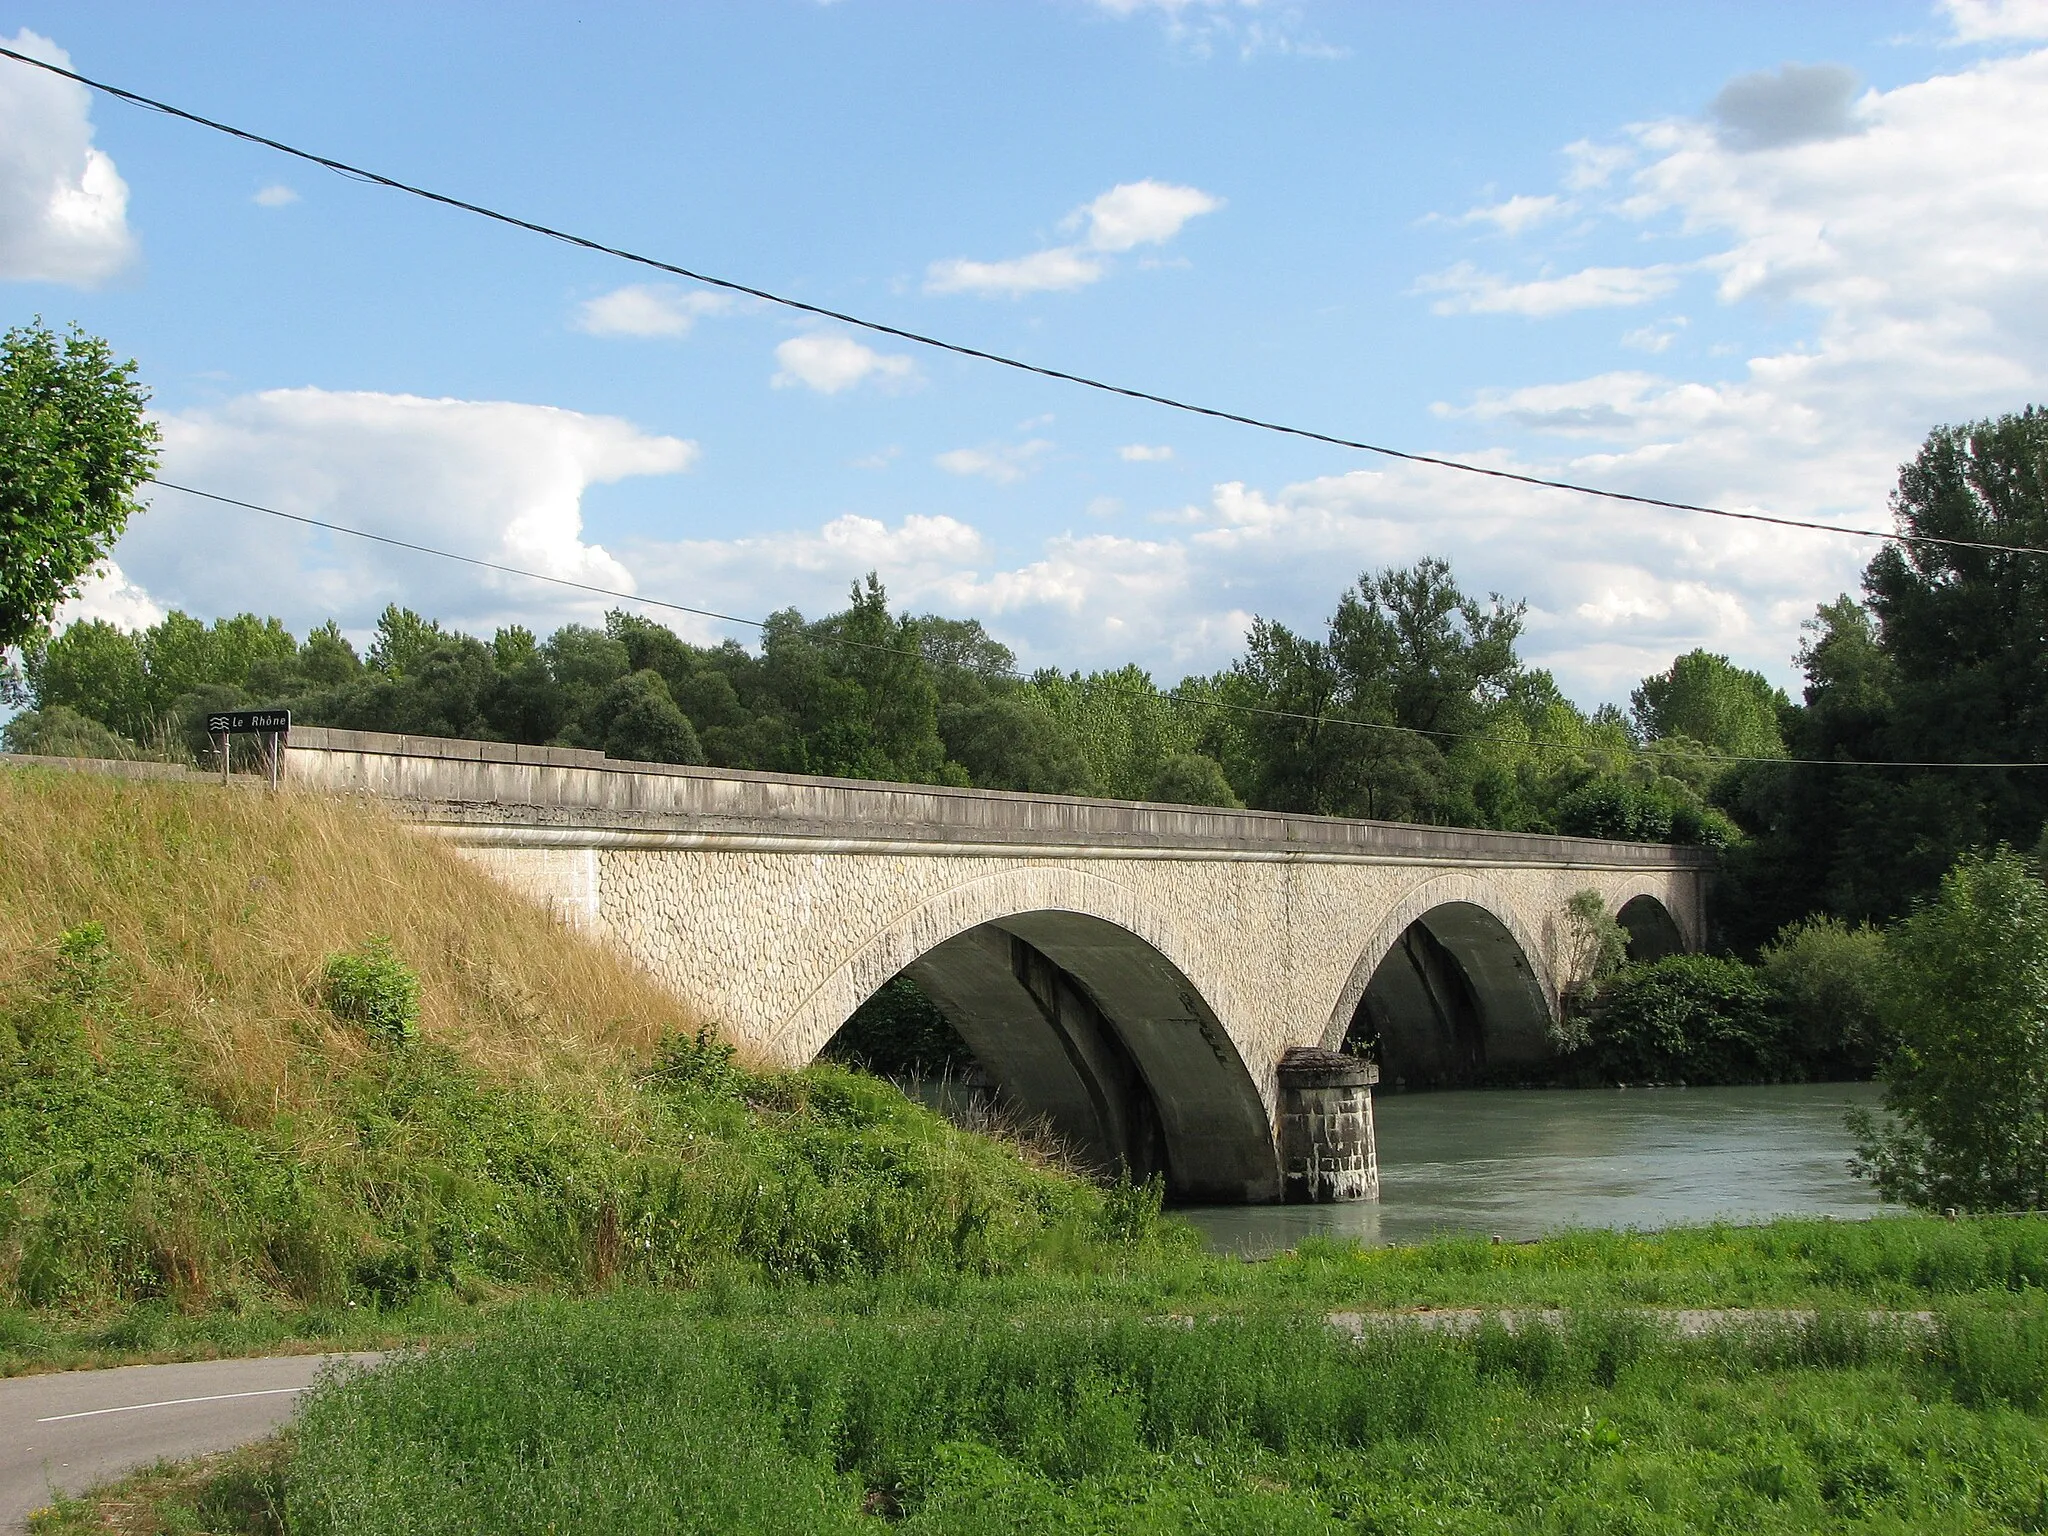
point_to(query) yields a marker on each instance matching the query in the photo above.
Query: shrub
(1829, 982)
(1968, 1083)
(900, 1032)
(375, 989)
(1688, 1018)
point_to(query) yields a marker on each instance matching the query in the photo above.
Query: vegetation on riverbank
(660, 1416)
(186, 1118)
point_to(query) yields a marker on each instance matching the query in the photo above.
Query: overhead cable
(979, 354)
(1175, 695)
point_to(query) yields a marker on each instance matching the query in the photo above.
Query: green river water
(1520, 1163)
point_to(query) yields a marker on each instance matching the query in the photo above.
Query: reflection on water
(1522, 1163)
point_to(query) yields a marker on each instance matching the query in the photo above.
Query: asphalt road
(68, 1431)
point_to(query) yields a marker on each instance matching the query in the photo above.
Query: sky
(1740, 254)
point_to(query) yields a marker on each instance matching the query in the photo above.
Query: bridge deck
(584, 799)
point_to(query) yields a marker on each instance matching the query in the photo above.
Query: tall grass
(182, 1116)
(610, 1417)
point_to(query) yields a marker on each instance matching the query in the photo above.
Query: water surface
(1521, 1163)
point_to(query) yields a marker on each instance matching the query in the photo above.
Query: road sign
(249, 722)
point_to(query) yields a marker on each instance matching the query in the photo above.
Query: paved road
(69, 1430)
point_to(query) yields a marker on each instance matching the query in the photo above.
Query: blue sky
(1742, 254)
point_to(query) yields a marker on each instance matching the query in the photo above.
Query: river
(1520, 1163)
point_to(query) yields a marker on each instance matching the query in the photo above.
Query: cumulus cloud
(1128, 215)
(1795, 104)
(1997, 21)
(648, 309)
(108, 595)
(1144, 453)
(63, 205)
(1136, 213)
(276, 195)
(831, 361)
(496, 480)
(1898, 231)
(1467, 290)
(1004, 463)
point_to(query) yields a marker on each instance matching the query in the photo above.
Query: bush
(1689, 1019)
(56, 731)
(1829, 982)
(375, 989)
(1967, 1001)
(899, 1032)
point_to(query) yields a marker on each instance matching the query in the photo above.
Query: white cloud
(492, 479)
(1135, 213)
(1516, 214)
(1004, 463)
(1050, 271)
(648, 309)
(108, 595)
(63, 205)
(1997, 21)
(830, 361)
(1128, 215)
(1144, 453)
(276, 195)
(1595, 165)
(1469, 291)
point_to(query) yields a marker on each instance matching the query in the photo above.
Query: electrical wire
(979, 354)
(1174, 695)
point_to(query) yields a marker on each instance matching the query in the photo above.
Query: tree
(74, 448)
(1708, 699)
(642, 724)
(1967, 1086)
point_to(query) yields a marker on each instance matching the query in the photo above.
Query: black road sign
(249, 722)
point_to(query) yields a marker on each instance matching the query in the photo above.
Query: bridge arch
(1071, 993)
(1452, 980)
(1652, 931)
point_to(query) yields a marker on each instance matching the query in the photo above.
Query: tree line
(1412, 704)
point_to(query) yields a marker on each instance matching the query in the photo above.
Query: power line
(960, 349)
(1175, 695)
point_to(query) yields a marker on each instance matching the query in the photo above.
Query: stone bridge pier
(1137, 975)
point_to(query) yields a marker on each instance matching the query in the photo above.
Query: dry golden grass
(223, 904)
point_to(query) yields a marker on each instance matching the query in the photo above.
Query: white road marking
(174, 1402)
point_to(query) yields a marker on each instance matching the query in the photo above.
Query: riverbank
(1214, 1395)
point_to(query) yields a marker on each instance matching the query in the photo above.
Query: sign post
(273, 724)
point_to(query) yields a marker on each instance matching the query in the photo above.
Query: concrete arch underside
(1063, 987)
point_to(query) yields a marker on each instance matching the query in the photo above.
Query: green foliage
(120, 1182)
(1967, 1086)
(75, 445)
(643, 724)
(1830, 980)
(1595, 946)
(1688, 1019)
(1947, 663)
(899, 1032)
(374, 989)
(621, 1415)
(1192, 778)
(1708, 699)
(60, 732)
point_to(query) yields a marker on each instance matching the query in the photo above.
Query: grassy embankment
(195, 1153)
(688, 1296)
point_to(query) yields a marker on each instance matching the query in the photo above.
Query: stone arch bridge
(1133, 973)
